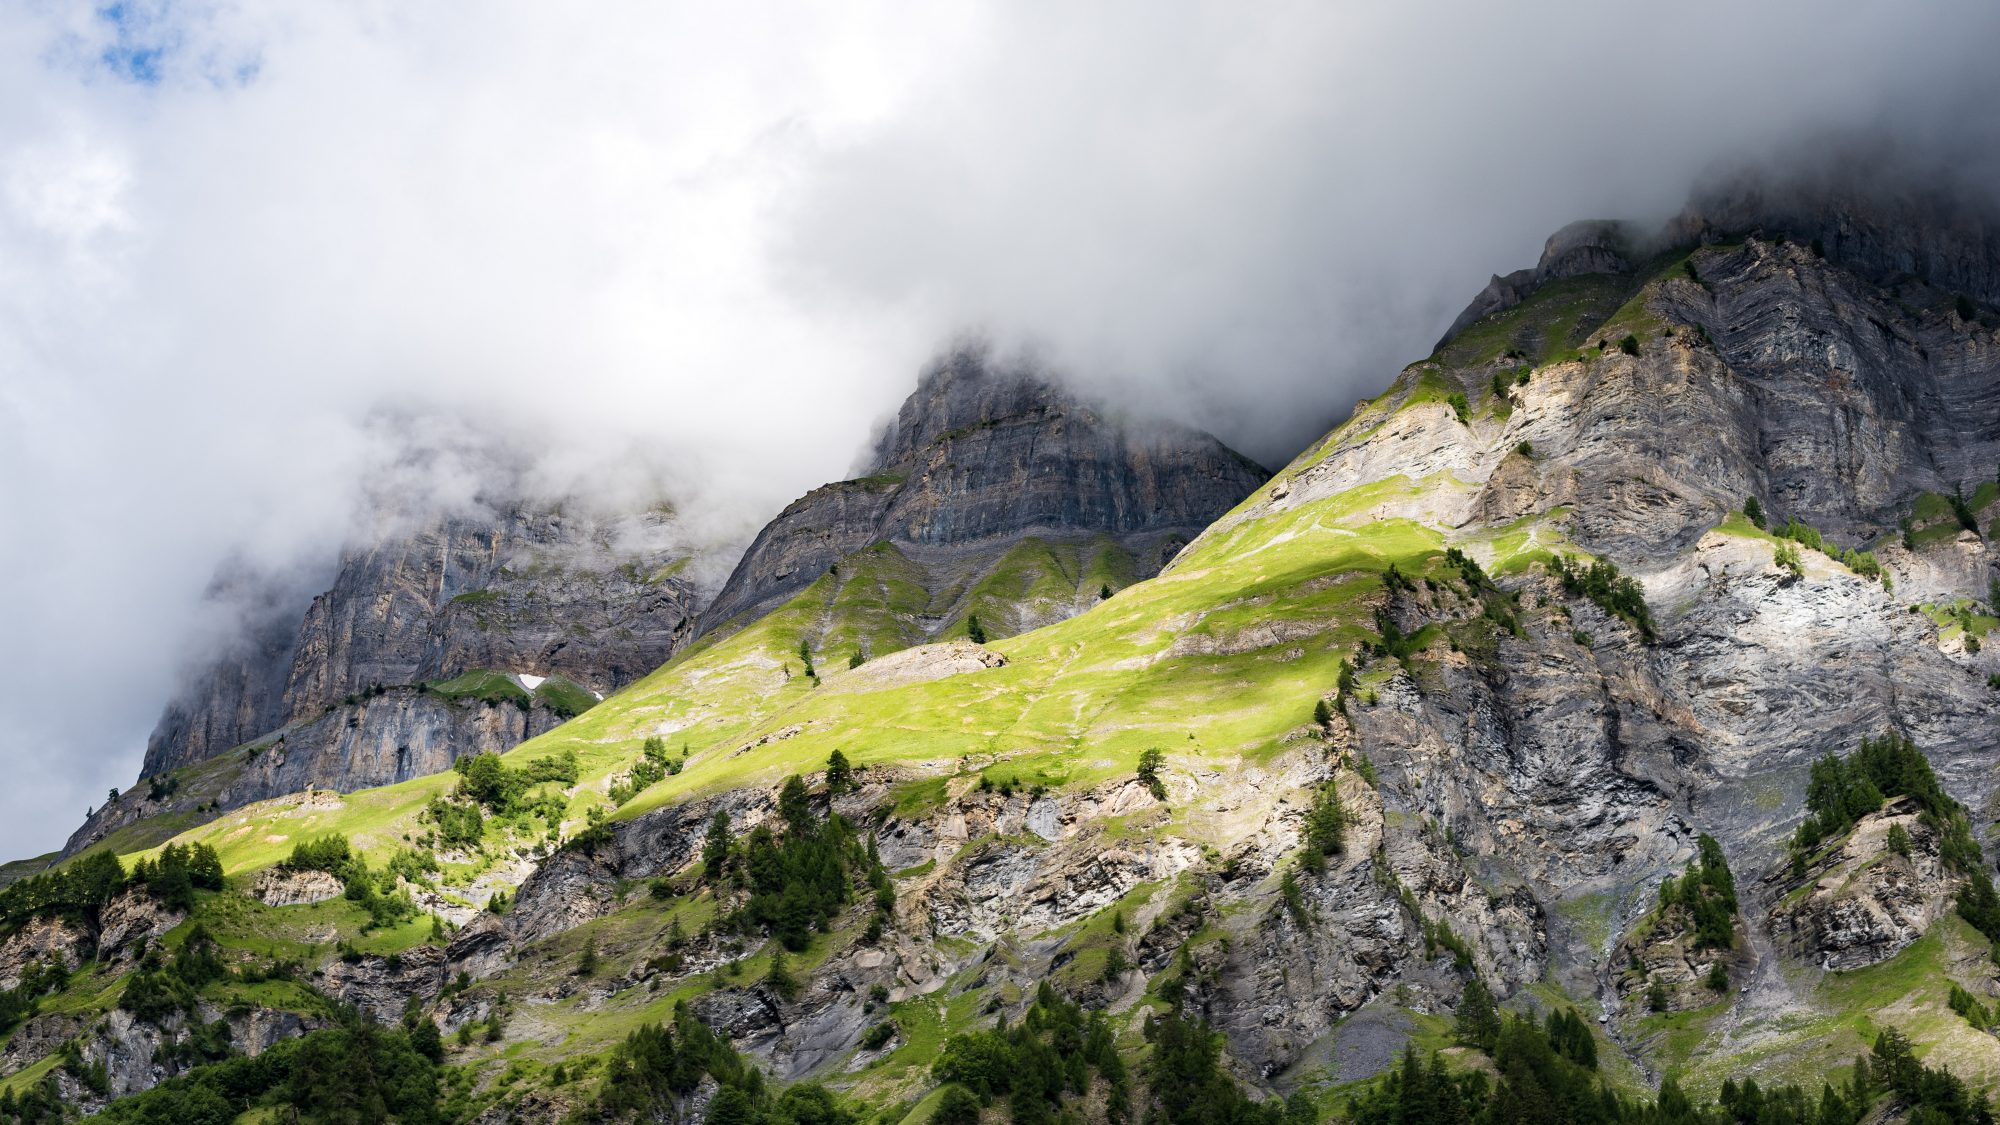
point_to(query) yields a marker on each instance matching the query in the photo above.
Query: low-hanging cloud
(706, 247)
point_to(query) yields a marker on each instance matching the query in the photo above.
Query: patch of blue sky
(143, 35)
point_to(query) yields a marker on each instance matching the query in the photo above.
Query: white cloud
(727, 235)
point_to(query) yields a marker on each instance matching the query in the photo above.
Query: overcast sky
(719, 240)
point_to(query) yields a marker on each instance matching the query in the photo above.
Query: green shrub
(1150, 761)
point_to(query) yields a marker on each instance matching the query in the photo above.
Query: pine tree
(1326, 824)
(974, 631)
(839, 775)
(715, 849)
(1478, 1020)
(778, 978)
(795, 805)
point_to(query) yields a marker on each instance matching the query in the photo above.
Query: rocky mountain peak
(1585, 247)
(982, 455)
(959, 392)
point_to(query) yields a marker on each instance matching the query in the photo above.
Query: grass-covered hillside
(1395, 754)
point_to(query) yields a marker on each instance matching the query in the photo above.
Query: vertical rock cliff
(546, 609)
(980, 458)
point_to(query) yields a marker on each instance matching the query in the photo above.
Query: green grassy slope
(1216, 661)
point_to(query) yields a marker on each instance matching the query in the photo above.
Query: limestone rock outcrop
(1862, 902)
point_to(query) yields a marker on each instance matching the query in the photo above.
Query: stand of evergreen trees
(377, 892)
(1047, 1060)
(648, 1077)
(1707, 891)
(180, 870)
(486, 785)
(78, 888)
(1840, 791)
(1615, 594)
(162, 986)
(654, 766)
(1546, 1074)
(799, 879)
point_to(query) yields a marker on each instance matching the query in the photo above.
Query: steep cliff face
(1521, 758)
(240, 693)
(1631, 413)
(546, 592)
(521, 589)
(1451, 697)
(565, 605)
(980, 457)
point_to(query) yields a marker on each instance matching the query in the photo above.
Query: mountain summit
(980, 459)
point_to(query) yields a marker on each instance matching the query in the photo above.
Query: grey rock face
(527, 590)
(574, 886)
(111, 934)
(1664, 952)
(381, 986)
(1590, 246)
(534, 591)
(1865, 212)
(241, 693)
(135, 1052)
(128, 922)
(334, 700)
(278, 887)
(1573, 765)
(979, 458)
(43, 940)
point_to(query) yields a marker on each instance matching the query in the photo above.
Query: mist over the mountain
(704, 252)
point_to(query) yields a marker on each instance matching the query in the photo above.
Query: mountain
(993, 494)
(465, 633)
(1626, 660)
(990, 484)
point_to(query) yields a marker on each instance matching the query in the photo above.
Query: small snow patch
(531, 682)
